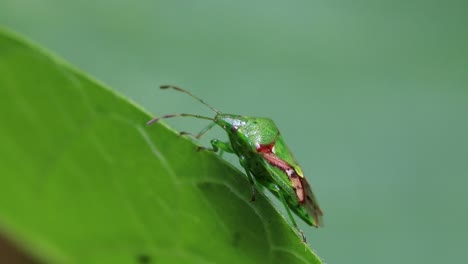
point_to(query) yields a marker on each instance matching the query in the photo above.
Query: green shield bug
(265, 157)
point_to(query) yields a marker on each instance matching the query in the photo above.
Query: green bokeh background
(371, 96)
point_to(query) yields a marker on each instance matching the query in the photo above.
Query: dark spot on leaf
(144, 259)
(236, 237)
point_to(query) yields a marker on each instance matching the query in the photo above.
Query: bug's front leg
(243, 162)
(218, 145)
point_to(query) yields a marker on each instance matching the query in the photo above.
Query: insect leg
(222, 146)
(218, 145)
(243, 162)
(276, 189)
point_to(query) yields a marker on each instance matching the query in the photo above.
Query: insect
(265, 157)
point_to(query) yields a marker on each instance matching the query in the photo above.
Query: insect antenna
(189, 93)
(156, 119)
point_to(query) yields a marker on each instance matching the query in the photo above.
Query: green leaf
(84, 180)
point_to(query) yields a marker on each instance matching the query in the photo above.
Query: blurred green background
(371, 96)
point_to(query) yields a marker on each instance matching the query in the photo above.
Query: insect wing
(296, 186)
(311, 205)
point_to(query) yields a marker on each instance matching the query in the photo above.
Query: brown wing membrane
(311, 204)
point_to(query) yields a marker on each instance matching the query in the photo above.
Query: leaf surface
(84, 180)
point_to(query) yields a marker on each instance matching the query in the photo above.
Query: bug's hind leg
(244, 164)
(274, 188)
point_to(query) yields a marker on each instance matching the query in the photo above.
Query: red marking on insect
(296, 181)
(267, 148)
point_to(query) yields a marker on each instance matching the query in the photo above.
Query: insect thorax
(246, 135)
(253, 131)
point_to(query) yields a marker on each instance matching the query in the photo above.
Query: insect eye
(234, 128)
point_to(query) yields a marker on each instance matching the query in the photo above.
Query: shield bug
(265, 157)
